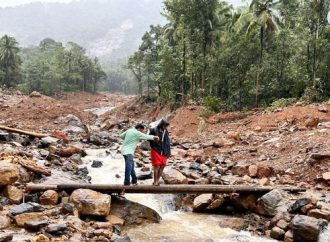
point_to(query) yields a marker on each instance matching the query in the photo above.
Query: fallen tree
(170, 189)
(57, 135)
(19, 131)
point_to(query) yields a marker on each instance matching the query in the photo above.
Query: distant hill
(106, 28)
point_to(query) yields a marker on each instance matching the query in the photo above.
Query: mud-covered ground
(285, 147)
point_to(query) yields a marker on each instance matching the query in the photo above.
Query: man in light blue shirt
(131, 139)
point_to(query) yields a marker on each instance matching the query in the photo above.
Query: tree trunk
(169, 189)
(316, 36)
(259, 65)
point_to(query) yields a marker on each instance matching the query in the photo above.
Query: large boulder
(9, 173)
(273, 202)
(49, 197)
(133, 213)
(307, 229)
(202, 201)
(92, 203)
(172, 176)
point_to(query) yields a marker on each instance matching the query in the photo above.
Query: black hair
(163, 123)
(139, 126)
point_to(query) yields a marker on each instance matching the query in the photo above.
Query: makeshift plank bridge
(173, 189)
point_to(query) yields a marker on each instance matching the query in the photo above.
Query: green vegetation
(49, 68)
(235, 59)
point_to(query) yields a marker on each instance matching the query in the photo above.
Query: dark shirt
(163, 146)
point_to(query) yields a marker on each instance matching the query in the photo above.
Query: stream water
(175, 225)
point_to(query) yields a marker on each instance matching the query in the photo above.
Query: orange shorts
(157, 159)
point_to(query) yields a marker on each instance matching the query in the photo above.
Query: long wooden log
(19, 131)
(170, 189)
(55, 134)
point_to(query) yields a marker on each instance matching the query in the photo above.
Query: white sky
(11, 3)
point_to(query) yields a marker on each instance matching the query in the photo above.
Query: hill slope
(105, 27)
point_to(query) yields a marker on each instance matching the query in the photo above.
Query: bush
(212, 103)
(282, 103)
(312, 94)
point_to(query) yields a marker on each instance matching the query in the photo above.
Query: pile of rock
(62, 217)
(302, 220)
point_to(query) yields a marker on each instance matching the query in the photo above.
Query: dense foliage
(239, 58)
(49, 68)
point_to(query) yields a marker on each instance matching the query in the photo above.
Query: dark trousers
(129, 170)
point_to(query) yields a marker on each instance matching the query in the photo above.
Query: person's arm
(144, 136)
(123, 135)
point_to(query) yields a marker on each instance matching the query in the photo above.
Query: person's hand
(156, 138)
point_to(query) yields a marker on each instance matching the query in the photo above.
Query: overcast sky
(10, 3)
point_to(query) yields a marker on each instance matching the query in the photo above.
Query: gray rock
(172, 176)
(273, 202)
(35, 94)
(195, 166)
(133, 213)
(277, 233)
(26, 208)
(97, 164)
(299, 204)
(4, 237)
(4, 136)
(57, 229)
(102, 138)
(307, 229)
(35, 225)
(67, 208)
(76, 158)
(46, 141)
(91, 203)
(70, 120)
(122, 239)
(74, 129)
(202, 201)
(144, 175)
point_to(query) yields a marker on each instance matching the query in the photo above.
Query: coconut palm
(9, 58)
(261, 15)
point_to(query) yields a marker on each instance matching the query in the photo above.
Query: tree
(135, 64)
(261, 15)
(10, 61)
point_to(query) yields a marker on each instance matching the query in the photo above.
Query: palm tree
(9, 59)
(262, 15)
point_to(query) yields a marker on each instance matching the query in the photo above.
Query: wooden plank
(169, 189)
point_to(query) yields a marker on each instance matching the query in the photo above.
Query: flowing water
(175, 225)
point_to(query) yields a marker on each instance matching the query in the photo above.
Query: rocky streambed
(93, 156)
